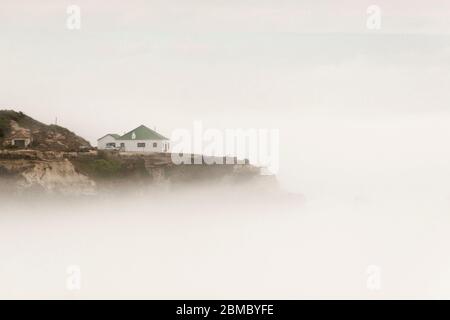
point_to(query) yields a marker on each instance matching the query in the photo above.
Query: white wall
(132, 145)
(101, 143)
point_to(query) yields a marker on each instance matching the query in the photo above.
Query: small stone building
(18, 137)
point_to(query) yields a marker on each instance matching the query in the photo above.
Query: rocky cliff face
(57, 176)
(28, 173)
(87, 173)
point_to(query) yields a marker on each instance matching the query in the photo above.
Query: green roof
(142, 133)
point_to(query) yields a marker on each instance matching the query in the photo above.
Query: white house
(141, 139)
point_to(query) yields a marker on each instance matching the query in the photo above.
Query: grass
(100, 168)
(106, 168)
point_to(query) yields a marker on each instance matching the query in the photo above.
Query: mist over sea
(371, 194)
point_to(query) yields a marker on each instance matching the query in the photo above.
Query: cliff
(88, 173)
(37, 158)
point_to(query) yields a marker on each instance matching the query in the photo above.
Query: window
(122, 145)
(155, 144)
(111, 145)
(141, 145)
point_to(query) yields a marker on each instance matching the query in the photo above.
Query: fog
(233, 241)
(363, 154)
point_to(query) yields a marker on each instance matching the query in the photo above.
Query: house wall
(132, 145)
(101, 143)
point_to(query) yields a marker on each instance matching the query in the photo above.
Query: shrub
(106, 168)
(3, 127)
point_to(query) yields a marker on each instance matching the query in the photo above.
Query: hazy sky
(308, 68)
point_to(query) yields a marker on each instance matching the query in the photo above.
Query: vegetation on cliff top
(44, 137)
(108, 166)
